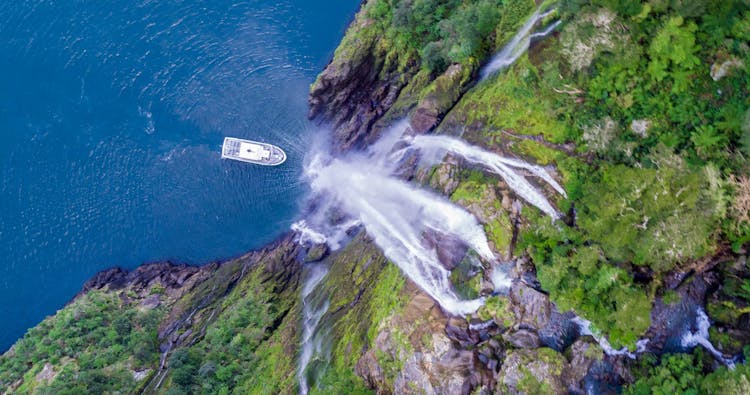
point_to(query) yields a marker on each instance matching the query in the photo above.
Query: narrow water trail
(434, 148)
(313, 310)
(701, 337)
(518, 44)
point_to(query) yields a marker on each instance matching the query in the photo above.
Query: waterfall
(584, 327)
(518, 44)
(312, 312)
(434, 148)
(398, 216)
(401, 217)
(544, 33)
(700, 337)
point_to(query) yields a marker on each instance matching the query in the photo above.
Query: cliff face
(575, 104)
(357, 87)
(164, 326)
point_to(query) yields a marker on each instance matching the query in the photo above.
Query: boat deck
(252, 152)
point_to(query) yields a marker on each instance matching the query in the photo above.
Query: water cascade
(434, 148)
(398, 216)
(518, 44)
(312, 312)
(401, 217)
(544, 33)
(700, 337)
(584, 327)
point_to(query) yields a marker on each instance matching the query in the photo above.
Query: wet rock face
(531, 307)
(450, 250)
(441, 95)
(353, 92)
(415, 353)
(168, 275)
(583, 354)
(669, 321)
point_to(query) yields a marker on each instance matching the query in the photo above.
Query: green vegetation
(496, 308)
(655, 217)
(359, 270)
(440, 32)
(242, 350)
(477, 193)
(642, 106)
(660, 136)
(686, 374)
(512, 102)
(91, 346)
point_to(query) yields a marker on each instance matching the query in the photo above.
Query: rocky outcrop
(440, 96)
(532, 372)
(166, 274)
(413, 355)
(357, 87)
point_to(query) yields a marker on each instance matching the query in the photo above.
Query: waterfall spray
(398, 216)
(434, 148)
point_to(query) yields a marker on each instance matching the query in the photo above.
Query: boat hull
(250, 151)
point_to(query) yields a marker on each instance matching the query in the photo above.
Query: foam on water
(397, 215)
(584, 326)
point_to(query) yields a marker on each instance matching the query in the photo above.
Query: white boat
(252, 152)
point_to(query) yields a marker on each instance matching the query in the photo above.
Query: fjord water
(112, 115)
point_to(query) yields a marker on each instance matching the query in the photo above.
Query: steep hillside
(639, 109)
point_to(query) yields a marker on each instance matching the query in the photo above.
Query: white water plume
(308, 235)
(517, 45)
(312, 313)
(700, 337)
(398, 216)
(545, 32)
(434, 149)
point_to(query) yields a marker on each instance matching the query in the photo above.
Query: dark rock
(166, 274)
(369, 369)
(602, 378)
(316, 253)
(450, 250)
(354, 91)
(560, 332)
(527, 371)
(522, 338)
(583, 353)
(443, 93)
(530, 307)
(670, 321)
(151, 302)
(106, 277)
(458, 331)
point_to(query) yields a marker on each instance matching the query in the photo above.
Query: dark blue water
(112, 115)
